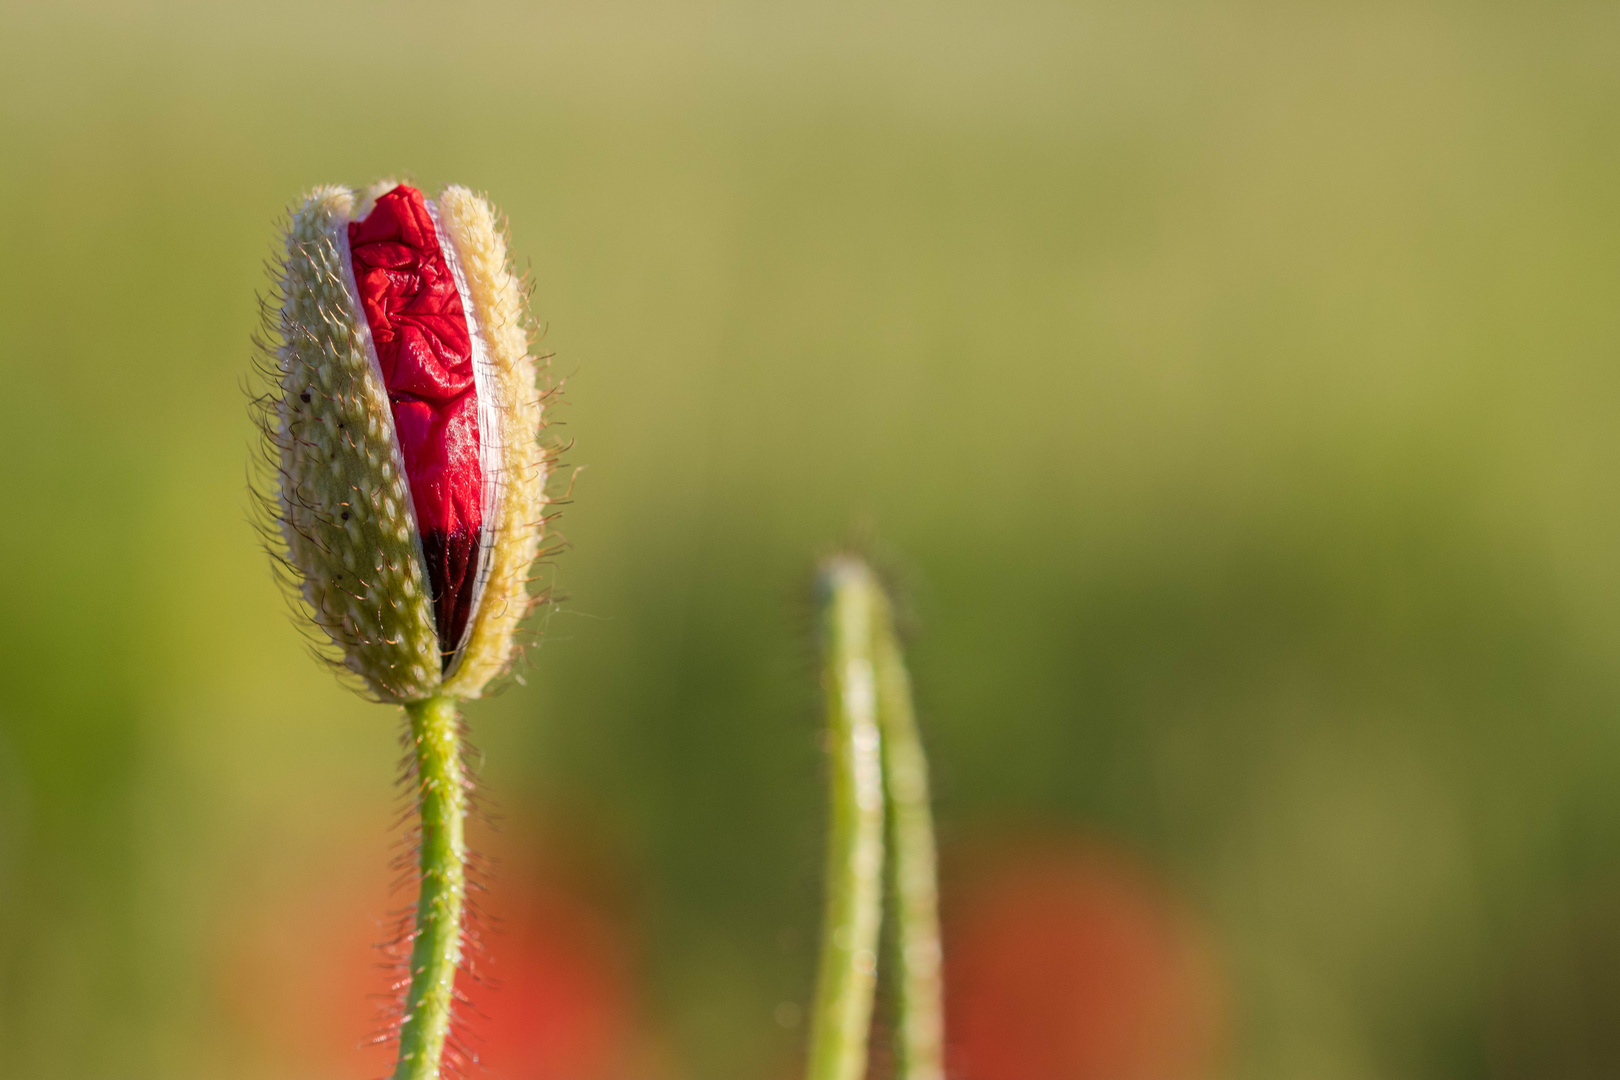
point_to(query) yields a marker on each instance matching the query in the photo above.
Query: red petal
(424, 346)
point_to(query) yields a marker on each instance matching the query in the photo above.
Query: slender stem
(842, 1014)
(919, 1012)
(436, 951)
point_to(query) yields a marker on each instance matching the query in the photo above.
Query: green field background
(1233, 384)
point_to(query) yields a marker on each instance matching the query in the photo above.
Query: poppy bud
(404, 422)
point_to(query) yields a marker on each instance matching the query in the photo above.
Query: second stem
(842, 1014)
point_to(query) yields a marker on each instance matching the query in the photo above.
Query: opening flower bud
(404, 424)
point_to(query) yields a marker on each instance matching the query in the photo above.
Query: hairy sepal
(495, 300)
(341, 498)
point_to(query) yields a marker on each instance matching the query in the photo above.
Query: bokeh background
(1232, 384)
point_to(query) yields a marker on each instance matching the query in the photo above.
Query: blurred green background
(1232, 383)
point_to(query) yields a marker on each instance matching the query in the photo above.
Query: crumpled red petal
(424, 347)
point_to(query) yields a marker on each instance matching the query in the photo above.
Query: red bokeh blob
(1069, 961)
(301, 980)
(552, 1000)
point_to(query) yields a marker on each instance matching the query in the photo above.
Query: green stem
(436, 951)
(919, 1012)
(842, 1014)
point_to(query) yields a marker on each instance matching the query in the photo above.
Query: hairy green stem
(842, 1014)
(919, 1019)
(436, 950)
